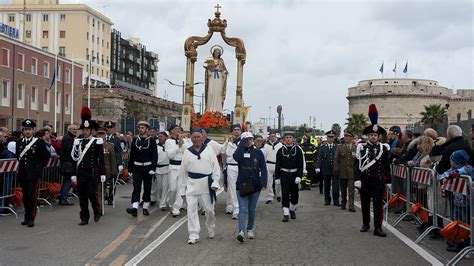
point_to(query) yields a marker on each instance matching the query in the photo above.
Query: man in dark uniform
(372, 173)
(88, 153)
(110, 138)
(142, 164)
(309, 150)
(325, 164)
(288, 172)
(32, 155)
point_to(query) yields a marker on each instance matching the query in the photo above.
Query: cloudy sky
(305, 54)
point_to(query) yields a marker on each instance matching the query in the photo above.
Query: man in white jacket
(174, 148)
(232, 170)
(198, 181)
(270, 150)
(159, 188)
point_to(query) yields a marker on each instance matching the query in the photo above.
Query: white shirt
(228, 150)
(216, 147)
(206, 165)
(174, 151)
(270, 153)
(162, 159)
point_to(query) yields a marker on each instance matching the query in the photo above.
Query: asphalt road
(320, 235)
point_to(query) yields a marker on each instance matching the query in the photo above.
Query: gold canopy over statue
(216, 72)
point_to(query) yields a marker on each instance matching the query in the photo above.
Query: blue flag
(54, 77)
(405, 70)
(381, 68)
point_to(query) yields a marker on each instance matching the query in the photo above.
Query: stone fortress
(400, 101)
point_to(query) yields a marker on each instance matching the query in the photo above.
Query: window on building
(67, 76)
(11, 18)
(98, 24)
(106, 74)
(107, 45)
(62, 34)
(5, 57)
(62, 17)
(34, 91)
(93, 57)
(87, 54)
(93, 22)
(107, 60)
(97, 71)
(45, 17)
(97, 58)
(92, 70)
(28, 17)
(46, 69)
(20, 91)
(46, 100)
(87, 36)
(102, 73)
(97, 40)
(34, 66)
(103, 28)
(28, 34)
(93, 38)
(102, 60)
(67, 100)
(20, 62)
(44, 48)
(5, 93)
(102, 43)
(62, 51)
(45, 34)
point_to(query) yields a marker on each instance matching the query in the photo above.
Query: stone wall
(117, 104)
(400, 101)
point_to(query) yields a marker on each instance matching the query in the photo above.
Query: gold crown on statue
(217, 24)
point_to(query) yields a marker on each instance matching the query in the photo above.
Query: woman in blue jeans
(252, 167)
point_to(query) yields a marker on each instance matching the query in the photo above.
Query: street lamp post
(182, 86)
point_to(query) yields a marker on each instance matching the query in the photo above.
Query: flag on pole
(395, 67)
(54, 75)
(381, 68)
(405, 70)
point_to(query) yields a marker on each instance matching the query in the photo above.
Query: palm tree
(336, 128)
(356, 123)
(434, 115)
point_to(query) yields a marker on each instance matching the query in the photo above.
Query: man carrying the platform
(270, 150)
(231, 170)
(288, 171)
(32, 155)
(372, 173)
(159, 188)
(142, 165)
(198, 181)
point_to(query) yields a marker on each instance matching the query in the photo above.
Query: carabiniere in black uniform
(89, 156)
(142, 165)
(32, 155)
(373, 170)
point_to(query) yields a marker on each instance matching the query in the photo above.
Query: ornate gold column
(188, 95)
(238, 115)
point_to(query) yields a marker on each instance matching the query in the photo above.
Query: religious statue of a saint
(216, 80)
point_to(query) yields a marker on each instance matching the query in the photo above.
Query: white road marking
(411, 244)
(155, 244)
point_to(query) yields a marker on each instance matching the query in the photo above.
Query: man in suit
(32, 154)
(343, 169)
(325, 164)
(109, 126)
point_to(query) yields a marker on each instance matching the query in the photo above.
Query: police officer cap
(143, 123)
(289, 133)
(347, 132)
(173, 126)
(330, 133)
(109, 124)
(28, 123)
(163, 133)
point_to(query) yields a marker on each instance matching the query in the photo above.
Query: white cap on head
(246, 135)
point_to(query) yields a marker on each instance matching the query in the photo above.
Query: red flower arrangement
(214, 121)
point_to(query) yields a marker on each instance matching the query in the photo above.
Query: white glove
(74, 179)
(120, 168)
(102, 178)
(358, 184)
(151, 172)
(389, 187)
(76, 142)
(130, 174)
(305, 172)
(297, 180)
(277, 182)
(215, 186)
(318, 170)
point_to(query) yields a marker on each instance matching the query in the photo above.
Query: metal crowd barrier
(453, 200)
(51, 180)
(8, 179)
